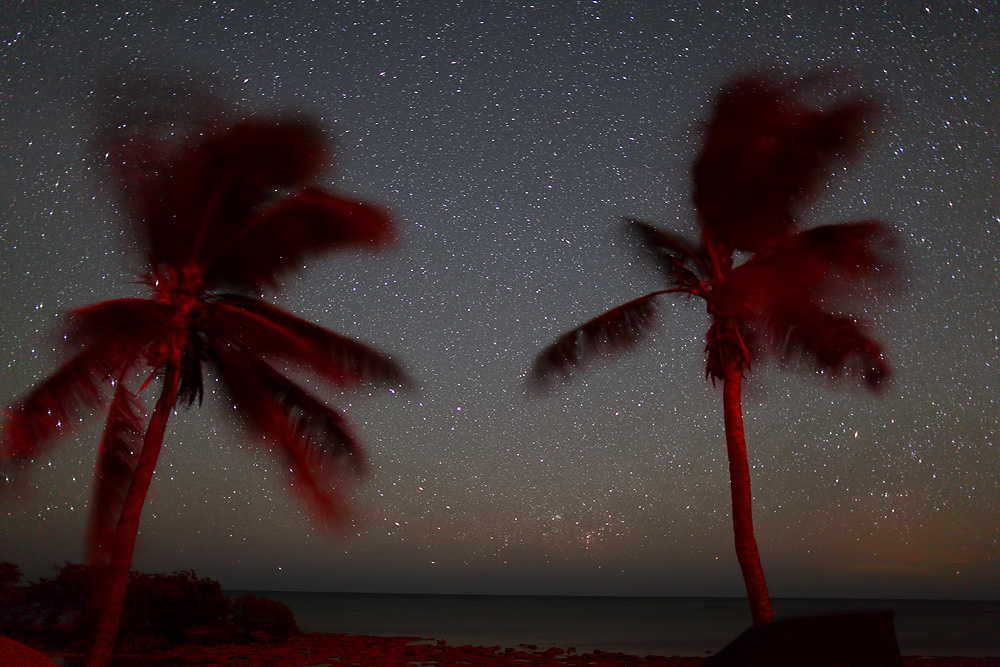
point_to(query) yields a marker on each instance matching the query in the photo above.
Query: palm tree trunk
(739, 483)
(116, 581)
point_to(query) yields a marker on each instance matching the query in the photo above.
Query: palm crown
(223, 217)
(764, 154)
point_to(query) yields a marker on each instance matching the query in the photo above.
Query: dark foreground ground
(335, 650)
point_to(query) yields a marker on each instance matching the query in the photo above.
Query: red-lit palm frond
(221, 206)
(136, 322)
(805, 267)
(151, 328)
(313, 439)
(850, 250)
(765, 153)
(147, 120)
(783, 286)
(191, 386)
(276, 335)
(679, 262)
(311, 222)
(611, 332)
(210, 190)
(60, 401)
(116, 459)
(834, 343)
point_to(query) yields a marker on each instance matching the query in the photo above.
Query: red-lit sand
(335, 650)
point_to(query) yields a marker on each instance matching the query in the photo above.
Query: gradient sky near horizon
(508, 140)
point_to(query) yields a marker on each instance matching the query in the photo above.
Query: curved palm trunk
(116, 581)
(739, 483)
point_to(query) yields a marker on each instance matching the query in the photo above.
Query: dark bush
(11, 595)
(164, 608)
(10, 576)
(160, 610)
(59, 610)
(263, 619)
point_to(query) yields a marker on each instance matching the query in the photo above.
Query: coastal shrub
(160, 610)
(165, 608)
(59, 609)
(10, 595)
(263, 619)
(10, 576)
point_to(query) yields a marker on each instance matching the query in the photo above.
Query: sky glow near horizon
(507, 142)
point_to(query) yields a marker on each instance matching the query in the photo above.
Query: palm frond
(314, 440)
(58, 402)
(116, 459)
(267, 153)
(274, 334)
(782, 286)
(677, 260)
(147, 123)
(223, 183)
(311, 222)
(836, 344)
(765, 153)
(662, 241)
(141, 325)
(191, 385)
(194, 199)
(805, 267)
(140, 175)
(850, 250)
(134, 322)
(611, 332)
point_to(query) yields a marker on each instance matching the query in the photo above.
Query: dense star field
(507, 142)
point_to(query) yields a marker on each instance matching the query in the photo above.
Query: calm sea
(633, 625)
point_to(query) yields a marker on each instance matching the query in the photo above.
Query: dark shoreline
(632, 625)
(315, 649)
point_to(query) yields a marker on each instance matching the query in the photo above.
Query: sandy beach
(327, 650)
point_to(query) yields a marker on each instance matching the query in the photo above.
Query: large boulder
(842, 640)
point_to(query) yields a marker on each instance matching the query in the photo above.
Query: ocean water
(633, 625)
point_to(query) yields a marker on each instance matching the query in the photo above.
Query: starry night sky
(507, 140)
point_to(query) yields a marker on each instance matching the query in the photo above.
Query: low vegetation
(161, 610)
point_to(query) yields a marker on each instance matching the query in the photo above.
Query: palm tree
(220, 218)
(764, 153)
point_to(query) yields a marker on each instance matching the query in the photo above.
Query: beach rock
(843, 640)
